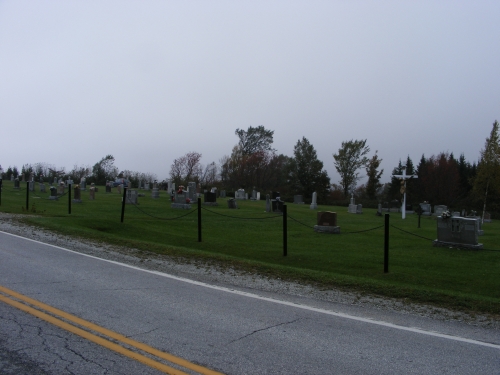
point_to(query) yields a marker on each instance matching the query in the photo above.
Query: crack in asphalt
(263, 329)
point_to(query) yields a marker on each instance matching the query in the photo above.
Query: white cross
(404, 177)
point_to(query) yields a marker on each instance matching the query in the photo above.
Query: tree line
(254, 164)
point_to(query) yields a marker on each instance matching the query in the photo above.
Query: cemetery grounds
(249, 239)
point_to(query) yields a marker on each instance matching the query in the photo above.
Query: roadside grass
(250, 239)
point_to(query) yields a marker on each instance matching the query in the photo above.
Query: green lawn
(251, 239)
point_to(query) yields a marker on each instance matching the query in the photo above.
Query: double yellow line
(84, 329)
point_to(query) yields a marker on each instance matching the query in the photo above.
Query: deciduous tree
(350, 157)
(185, 169)
(374, 176)
(255, 139)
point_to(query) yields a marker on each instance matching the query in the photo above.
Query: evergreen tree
(487, 180)
(305, 172)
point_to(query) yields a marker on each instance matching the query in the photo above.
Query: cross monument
(403, 177)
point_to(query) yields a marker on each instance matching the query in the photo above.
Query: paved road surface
(222, 330)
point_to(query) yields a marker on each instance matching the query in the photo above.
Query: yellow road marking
(104, 331)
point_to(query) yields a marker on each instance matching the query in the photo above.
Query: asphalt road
(225, 330)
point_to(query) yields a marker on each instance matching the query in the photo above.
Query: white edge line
(267, 299)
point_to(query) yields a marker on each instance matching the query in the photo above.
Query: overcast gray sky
(148, 81)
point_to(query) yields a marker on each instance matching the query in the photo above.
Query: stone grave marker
(426, 209)
(223, 194)
(231, 203)
(314, 204)
(210, 198)
(41, 186)
(192, 194)
(16, 183)
(155, 193)
(77, 195)
(181, 200)
(327, 222)
(297, 199)
(132, 197)
(277, 205)
(92, 191)
(83, 184)
(487, 217)
(439, 209)
(60, 188)
(359, 209)
(459, 232)
(268, 203)
(108, 187)
(239, 194)
(53, 193)
(352, 209)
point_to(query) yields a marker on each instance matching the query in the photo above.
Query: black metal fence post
(386, 244)
(285, 236)
(69, 199)
(27, 196)
(123, 202)
(199, 219)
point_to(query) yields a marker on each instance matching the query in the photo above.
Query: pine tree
(487, 179)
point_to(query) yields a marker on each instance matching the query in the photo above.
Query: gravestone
(352, 209)
(31, 185)
(386, 207)
(146, 186)
(155, 193)
(132, 197)
(223, 194)
(473, 215)
(439, 209)
(60, 188)
(395, 206)
(210, 198)
(461, 232)
(16, 183)
(23, 178)
(487, 217)
(119, 189)
(314, 204)
(379, 210)
(277, 206)
(181, 200)
(53, 193)
(83, 184)
(231, 203)
(92, 192)
(297, 199)
(327, 223)
(240, 194)
(275, 195)
(12, 177)
(77, 197)
(255, 195)
(268, 203)
(41, 186)
(192, 193)
(426, 209)
(359, 209)
(55, 182)
(108, 187)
